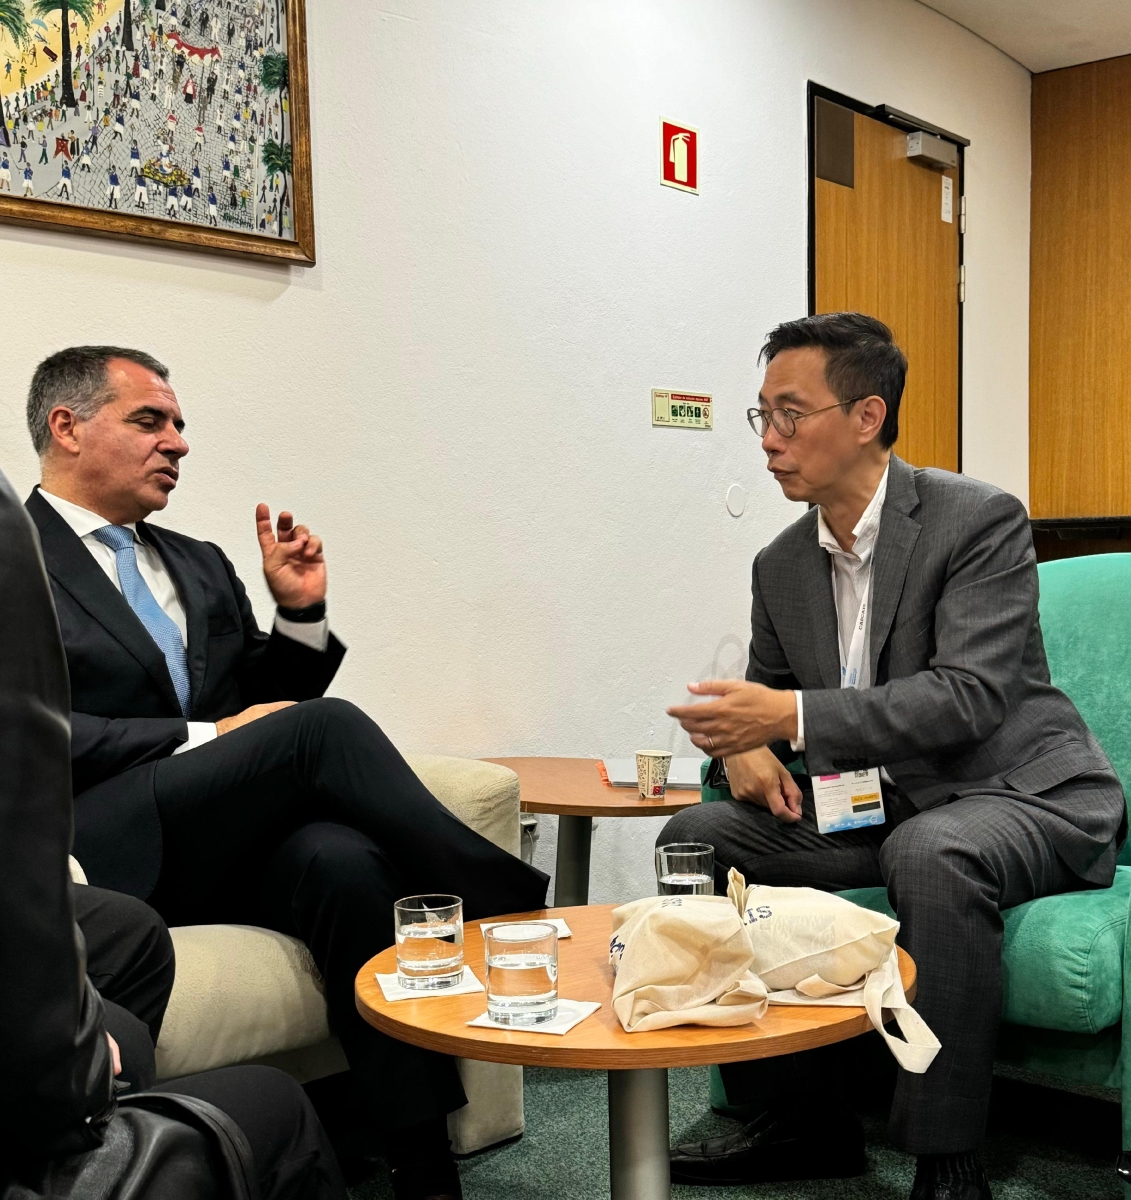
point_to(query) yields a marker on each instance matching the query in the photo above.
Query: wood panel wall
(882, 248)
(1080, 292)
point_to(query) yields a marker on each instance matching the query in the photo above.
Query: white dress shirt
(852, 577)
(315, 634)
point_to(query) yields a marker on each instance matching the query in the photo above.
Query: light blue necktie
(160, 626)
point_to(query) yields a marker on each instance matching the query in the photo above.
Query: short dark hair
(76, 378)
(861, 359)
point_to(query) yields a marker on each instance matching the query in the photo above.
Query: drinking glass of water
(522, 973)
(429, 933)
(685, 869)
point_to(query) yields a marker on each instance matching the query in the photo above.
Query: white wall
(457, 396)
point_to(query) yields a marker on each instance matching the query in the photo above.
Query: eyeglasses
(784, 421)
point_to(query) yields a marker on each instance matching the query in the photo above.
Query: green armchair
(1064, 961)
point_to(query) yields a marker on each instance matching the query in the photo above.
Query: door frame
(886, 115)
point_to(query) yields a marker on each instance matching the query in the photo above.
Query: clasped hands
(295, 569)
(737, 726)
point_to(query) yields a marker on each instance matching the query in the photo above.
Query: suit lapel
(73, 568)
(192, 597)
(897, 537)
(816, 579)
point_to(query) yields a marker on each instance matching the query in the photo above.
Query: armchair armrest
(483, 795)
(1125, 1056)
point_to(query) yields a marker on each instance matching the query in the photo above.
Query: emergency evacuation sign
(679, 156)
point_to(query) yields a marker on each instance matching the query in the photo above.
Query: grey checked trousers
(949, 872)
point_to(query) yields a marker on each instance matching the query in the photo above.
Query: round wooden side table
(574, 790)
(637, 1063)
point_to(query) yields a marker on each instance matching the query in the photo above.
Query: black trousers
(949, 873)
(130, 960)
(309, 821)
(293, 1157)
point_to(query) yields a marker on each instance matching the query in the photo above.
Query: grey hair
(77, 378)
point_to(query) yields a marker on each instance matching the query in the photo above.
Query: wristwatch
(304, 616)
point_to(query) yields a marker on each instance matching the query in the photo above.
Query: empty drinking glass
(685, 869)
(522, 973)
(429, 933)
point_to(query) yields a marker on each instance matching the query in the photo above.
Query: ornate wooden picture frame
(176, 121)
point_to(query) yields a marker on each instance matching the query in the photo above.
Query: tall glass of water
(429, 933)
(522, 973)
(685, 869)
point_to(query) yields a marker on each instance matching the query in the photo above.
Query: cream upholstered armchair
(244, 994)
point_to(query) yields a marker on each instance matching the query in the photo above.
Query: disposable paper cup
(652, 768)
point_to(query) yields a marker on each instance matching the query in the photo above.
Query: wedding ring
(711, 740)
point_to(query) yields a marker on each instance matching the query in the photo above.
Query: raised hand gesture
(744, 717)
(293, 564)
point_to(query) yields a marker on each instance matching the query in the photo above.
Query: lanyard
(852, 663)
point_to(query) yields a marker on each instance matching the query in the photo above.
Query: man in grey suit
(894, 630)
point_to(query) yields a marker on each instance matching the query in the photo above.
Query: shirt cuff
(315, 634)
(798, 743)
(199, 732)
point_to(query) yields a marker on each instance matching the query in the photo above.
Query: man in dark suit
(895, 632)
(211, 778)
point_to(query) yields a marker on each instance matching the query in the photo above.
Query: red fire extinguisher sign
(679, 156)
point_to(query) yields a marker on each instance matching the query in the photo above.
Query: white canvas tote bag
(683, 960)
(811, 947)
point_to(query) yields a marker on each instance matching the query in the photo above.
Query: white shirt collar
(81, 520)
(864, 531)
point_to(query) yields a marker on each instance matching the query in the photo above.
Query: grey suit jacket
(961, 702)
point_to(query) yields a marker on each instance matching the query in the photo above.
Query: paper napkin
(570, 1013)
(393, 990)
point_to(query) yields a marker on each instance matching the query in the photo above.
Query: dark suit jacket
(125, 716)
(961, 702)
(54, 1058)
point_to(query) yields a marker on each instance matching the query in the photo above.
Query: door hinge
(962, 284)
(961, 214)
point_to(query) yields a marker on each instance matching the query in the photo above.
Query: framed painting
(176, 121)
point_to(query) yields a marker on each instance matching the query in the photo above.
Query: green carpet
(1042, 1145)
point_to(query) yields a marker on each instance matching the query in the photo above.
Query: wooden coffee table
(637, 1063)
(574, 790)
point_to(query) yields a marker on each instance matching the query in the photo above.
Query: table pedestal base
(638, 1135)
(571, 870)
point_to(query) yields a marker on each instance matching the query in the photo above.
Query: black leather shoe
(775, 1147)
(953, 1190)
(426, 1181)
(421, 1163)
(929, 1186)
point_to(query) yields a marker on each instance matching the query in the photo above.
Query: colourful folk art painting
(170, 112)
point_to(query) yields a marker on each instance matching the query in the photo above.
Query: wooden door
(882, 247)
(1080, 298)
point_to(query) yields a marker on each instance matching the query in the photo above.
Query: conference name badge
(849, 801)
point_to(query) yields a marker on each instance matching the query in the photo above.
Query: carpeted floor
(1043, 1145)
